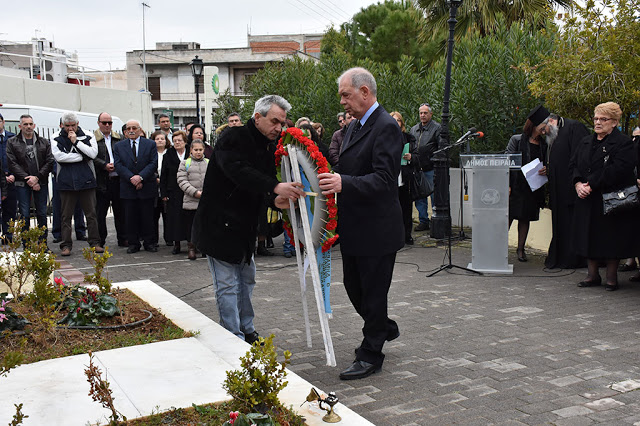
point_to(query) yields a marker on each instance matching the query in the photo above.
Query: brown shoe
(192, 251)
(99, 249)
(65, 252)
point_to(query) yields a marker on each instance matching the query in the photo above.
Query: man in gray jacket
(427, 134)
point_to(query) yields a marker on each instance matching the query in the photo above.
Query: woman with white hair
(604, 162)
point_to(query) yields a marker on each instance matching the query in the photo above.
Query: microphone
(466, 135)
(477, 135)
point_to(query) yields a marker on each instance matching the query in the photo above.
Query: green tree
(383, 32)
(596, 60)
(490, 83)
(483, 15)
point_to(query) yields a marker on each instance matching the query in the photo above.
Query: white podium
(490, 204)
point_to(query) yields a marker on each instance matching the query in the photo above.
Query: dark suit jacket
(102, 159)
(146, 166)
(369, 214)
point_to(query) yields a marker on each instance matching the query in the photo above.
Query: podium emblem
(490, 197)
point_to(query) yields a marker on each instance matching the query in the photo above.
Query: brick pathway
(531, 348)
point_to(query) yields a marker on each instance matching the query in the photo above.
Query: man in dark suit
(370, 225)
(136, 162)
(108, 191)
(10, 203)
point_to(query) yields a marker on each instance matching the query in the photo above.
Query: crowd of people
(142, 181)
(216, 198)
(582, 168)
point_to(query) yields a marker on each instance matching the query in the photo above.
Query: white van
(47, 120)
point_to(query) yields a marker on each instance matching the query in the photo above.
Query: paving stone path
(531, 348)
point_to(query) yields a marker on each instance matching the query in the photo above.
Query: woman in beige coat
(191, 175)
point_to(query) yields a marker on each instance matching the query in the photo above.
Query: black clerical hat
(538, 115)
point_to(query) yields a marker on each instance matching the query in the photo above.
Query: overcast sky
(101, 32)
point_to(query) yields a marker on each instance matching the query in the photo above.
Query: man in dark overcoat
(240, 173)
(370, 219)
(563, 136)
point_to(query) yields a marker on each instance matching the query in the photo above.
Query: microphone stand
(463, 191)
(450, 265)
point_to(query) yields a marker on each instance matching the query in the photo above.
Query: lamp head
(196, 66)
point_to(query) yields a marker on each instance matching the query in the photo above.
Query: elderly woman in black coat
(171, 193)
(524, 204)
(603, 162)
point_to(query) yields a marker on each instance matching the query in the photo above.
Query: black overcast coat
(241, 171)
(597, 236)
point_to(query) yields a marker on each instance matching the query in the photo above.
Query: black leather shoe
(591, 283)
(409, 241)
(611, 287)
(81, 238)
(251, 338)
(521, 257)
(133, 249)
(359, 370)
(262, 251)
(626, 268)
(421, 227)
(152, 249)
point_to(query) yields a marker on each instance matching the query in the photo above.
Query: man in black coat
(370, 219)
(563, 136)
(136, 162)
(108, 190)
(241, 172)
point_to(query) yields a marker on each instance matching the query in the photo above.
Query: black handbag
(621, 200)
(419, 186)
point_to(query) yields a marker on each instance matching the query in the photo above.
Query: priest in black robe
(562, 136)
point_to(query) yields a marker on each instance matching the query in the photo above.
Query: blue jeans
(287, 247)
(40, 198)
(234, 285)
(422, 205)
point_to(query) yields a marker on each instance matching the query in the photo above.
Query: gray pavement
(531, 348)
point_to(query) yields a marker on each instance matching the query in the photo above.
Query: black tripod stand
(450, 265)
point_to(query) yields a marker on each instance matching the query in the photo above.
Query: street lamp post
(441, 220)
(196, 70)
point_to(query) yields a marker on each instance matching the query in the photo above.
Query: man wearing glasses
(427, 133)
(136, 161)
(108, 191)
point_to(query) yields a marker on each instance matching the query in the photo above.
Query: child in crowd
(191, 180)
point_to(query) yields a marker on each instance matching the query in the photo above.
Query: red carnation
(331, 225)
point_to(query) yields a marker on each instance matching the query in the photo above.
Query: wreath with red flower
(299, 138)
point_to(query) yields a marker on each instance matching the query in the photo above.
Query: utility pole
(144, 50)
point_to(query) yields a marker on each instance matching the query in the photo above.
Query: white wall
(72, 97)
